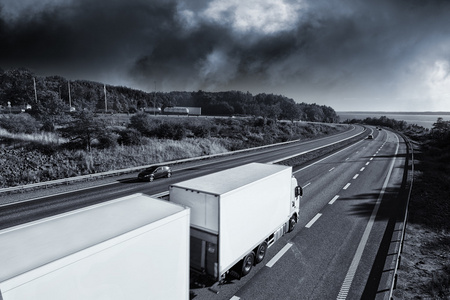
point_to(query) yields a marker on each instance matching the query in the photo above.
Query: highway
(349, 197)
(348, 200)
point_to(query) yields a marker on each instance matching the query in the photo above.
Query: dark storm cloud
(304, 49)
(84, 36)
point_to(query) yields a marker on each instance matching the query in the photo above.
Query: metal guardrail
(405, 219)
(22, 188)
(45, 184)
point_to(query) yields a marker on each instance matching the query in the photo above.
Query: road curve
(36, 207)
(348, 200)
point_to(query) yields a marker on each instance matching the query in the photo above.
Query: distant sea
(424, 119)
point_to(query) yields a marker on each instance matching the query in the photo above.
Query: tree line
(51, 99)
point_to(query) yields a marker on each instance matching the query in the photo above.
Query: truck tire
(292, 223)
(261, 252)
(247, 263)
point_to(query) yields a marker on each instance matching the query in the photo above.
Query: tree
(143, 123)
(84, 130)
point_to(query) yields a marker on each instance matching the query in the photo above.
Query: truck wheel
(292, 223)
(247, 263)
(261, 252)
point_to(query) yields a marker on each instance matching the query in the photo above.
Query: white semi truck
(236, 214)
(134, 247)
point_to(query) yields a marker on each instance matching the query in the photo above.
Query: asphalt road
(43, 203)
(348, 199)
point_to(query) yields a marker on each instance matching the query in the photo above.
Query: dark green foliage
(17, 86)
(130, 136)
(201, 131)
(381, 121)
(84, 130)
(143, 123)
(172, 131)
(107, 140)
(441, 133)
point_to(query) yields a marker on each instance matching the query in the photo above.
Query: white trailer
(236, 214)
(134, 247)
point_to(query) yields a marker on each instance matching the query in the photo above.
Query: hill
(18, 87)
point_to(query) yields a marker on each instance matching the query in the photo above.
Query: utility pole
(35, 92)
(106, 103)
(154, 101)
(70, 100)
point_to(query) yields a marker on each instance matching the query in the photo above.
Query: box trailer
(134, 247)
(236, 214)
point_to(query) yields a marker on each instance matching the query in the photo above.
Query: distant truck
(236, 214)
(135, 247)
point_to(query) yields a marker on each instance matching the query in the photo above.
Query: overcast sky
(376, 55)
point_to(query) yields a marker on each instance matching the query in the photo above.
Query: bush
(22, 123)
(107, 140)
(143, 123)
(130, 136)
(170, 131)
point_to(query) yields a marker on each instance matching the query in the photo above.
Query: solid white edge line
(334, 199)
(345, 288)
(309, 183)
(278, 255)
(313, 220)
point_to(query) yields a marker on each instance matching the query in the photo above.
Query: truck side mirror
(298, 191)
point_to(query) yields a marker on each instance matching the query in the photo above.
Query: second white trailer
(236, 214)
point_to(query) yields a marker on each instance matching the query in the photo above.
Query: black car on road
(154, 172)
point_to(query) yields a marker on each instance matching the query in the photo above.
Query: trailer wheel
(292, 223)
(261, 252)
(247, 263)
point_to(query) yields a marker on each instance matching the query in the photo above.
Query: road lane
(60, 203)
(316, 265)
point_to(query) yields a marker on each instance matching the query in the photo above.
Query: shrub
(130, 136)
(22, 123)
(170, 131)
(143, 123)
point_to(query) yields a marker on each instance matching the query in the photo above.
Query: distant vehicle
(152, 110)
(155, 172)
(370, 137)
(176, 111)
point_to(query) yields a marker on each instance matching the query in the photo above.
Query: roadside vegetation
(86, 143)
(424, 271)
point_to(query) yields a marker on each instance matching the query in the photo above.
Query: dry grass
(43, 137)
(425, 266)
